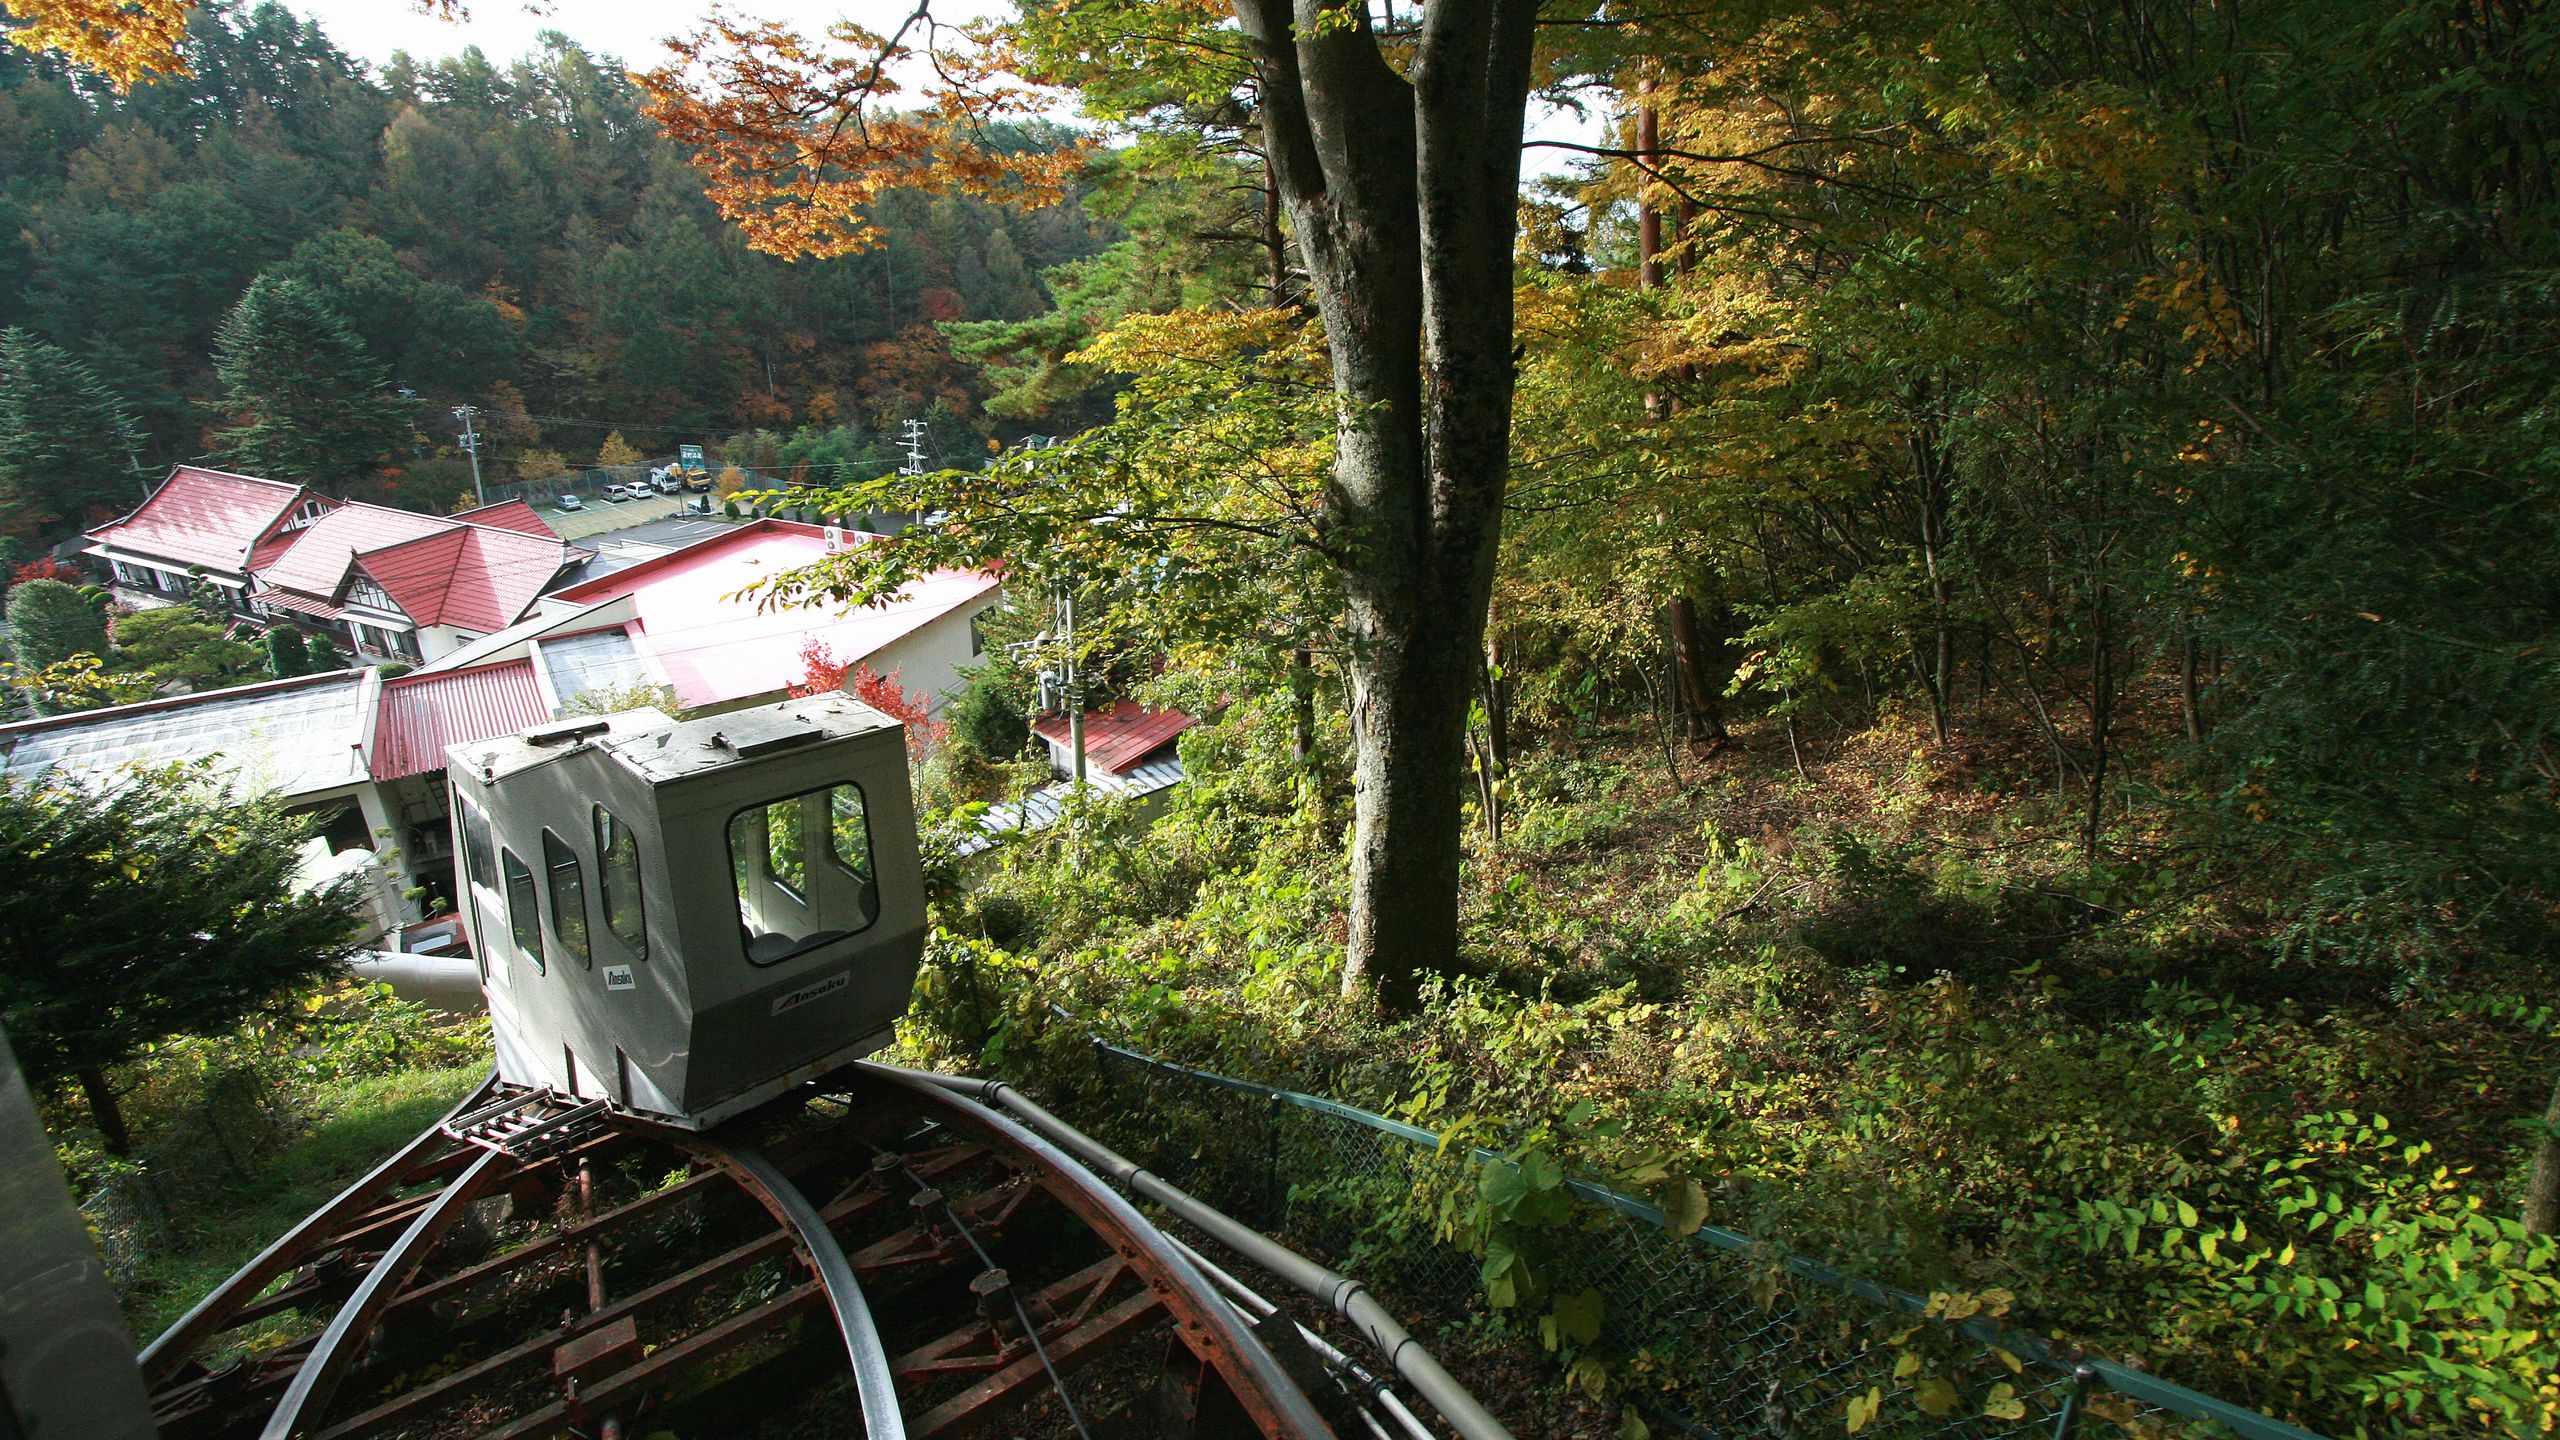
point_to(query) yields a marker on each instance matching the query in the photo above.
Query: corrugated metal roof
(510, 515)
(422, 714)
(1040, 809)
(204, 517)
(1118, 735)
(290, 737)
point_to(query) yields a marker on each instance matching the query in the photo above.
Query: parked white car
(570, 502)
(625, 492)
(665, 482)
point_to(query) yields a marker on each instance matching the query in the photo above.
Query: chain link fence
(1713, 1334)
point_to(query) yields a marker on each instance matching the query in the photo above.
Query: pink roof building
(393, 584)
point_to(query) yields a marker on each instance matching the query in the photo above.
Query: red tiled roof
(510, 515)
(317, 562)
(1120, 734)
(422, 714)
(206, 517)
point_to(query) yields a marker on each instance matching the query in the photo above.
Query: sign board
(690, 456)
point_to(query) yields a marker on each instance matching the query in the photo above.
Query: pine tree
(199, 925)
(312, 405)
(67, 441)
(286, 655)
(50, 621)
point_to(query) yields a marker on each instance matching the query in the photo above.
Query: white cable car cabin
(686, 918)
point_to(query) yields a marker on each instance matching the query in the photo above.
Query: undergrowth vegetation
(239, 1136)
(1879, 1013)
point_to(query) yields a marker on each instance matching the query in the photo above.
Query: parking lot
(602, 516)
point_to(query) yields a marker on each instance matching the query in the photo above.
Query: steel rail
(1259, 1308)
(317, 1380)
(873, 1381)
(209, 1317)
(1340, 1293)
(1247, 1367)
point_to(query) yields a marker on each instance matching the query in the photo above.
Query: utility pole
(1074, 681)
(915, 449)
(471, 447)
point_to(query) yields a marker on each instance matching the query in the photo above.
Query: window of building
(131, 574)
(171, 583)
(568, 898)
(477, 856)
(618, 871)
(525, 924)
(361, 591)
(303, 515)
(802, 868)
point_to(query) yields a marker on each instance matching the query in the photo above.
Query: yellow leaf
(2004, 1403)
(1937, 1396)
(1862, 1408)
(1907, 1366)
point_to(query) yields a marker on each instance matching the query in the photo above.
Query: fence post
(2083, 1375)
(1271, 1158)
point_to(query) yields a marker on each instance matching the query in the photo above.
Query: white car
(623, 492)
(665, 482)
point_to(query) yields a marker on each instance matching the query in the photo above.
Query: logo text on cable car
(818, 991)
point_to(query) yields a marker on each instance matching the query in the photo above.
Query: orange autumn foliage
(795, 137)
(823, 674)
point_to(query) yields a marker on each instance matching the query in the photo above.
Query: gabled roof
(422, 714)
(206, 517)
(509, 515)
(1118, 735)
(472, 577)
(440, 570)
(316, 563)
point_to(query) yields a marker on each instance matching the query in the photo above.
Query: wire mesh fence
(1712, 1333)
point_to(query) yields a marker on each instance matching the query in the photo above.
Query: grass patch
(353, 1125)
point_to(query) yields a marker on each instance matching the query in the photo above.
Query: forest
(1943, 653)
(509, 234)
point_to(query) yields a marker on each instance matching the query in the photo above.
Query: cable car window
(618, 880)
(479, 850)
(787, 906)
(568, 898)
(521, 918)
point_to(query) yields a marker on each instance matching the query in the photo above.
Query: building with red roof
(1118, 738)
(388, 584)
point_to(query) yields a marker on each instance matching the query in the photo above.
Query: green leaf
(1684, 1207)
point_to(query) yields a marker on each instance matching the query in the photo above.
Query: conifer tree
(617, 451)
(67, 441)
(311, 405)
(50, 621)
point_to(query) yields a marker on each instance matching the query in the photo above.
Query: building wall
(929, 658)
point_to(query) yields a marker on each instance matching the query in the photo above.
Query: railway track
(878, 1253)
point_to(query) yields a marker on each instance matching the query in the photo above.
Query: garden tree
(50, 621)
(286, 654)
(67, 443)
(616, 451)
(309, 404)
(541, 464)
(192, 925)
(82, 682)
(177, 643)
(1397, 160)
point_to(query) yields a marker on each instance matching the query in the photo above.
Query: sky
(632, 31)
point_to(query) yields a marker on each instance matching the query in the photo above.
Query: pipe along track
(881, 1253)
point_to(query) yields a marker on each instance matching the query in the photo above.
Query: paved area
(616, 549)
(604, 516)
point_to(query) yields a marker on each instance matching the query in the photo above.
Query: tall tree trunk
(2542, 1192)
(1403, 199)
(1693, 707)
(103, 1108)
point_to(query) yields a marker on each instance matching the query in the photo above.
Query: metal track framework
(872, 1249)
